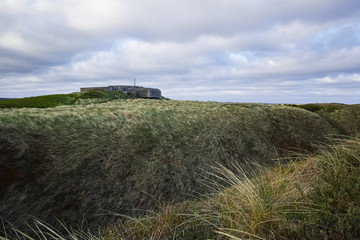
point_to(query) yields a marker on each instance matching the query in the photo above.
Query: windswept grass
(317, 197)
(77, 162)
(39, 230)
(311, 197)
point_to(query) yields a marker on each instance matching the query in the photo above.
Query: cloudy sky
(273, 51)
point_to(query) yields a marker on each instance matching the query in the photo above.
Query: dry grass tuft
(316, 197)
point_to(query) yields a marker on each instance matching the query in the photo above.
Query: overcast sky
(272, 51)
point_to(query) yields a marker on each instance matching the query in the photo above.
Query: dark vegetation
(314, 107)
(79, 163)
(105, 95)
(4, 99)
(47, 101)
(40, 101)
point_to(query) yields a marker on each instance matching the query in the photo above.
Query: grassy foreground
(315, 198)
(312, 197)
(77, 163)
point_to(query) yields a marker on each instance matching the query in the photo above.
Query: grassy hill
(346, 118)
(48, 101)
(79, 162)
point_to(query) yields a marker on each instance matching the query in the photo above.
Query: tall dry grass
(312, 197)
(315, 197)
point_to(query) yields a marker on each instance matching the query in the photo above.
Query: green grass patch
(46, 101)
(106, 95)
(313, 107)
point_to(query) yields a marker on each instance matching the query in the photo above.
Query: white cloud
(231, 48)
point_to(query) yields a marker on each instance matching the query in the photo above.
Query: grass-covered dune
(311, 197)
(54, 100)
(75, 163)
(346, 118)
